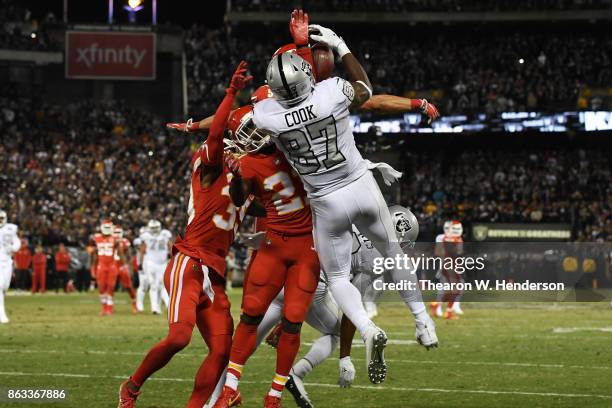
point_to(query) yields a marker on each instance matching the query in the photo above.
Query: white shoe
(375, 343)
(295, 385)
(426, 333)
(371, 309)
(4, 320)
(457, 308)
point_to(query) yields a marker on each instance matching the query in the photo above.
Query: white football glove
(347, 372)
(388, 173)
(329, 38)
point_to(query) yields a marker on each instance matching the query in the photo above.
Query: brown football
(323, 61)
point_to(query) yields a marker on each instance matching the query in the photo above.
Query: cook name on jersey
(281, 192)
(316, 136)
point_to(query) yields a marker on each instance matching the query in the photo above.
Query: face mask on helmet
(106, 228)
(290, 79)
(456, 229)
(3, 218)
(118, 232)
(446, 228)
(154, 227)
(405, 224)
(244, 135)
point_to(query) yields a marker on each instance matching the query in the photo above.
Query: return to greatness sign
(521, 232)
(110, 55)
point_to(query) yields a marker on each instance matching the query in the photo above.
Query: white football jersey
(9, 242)
(156, 246)
(363, 254)
(316, 136)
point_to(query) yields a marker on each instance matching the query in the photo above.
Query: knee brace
(251, 320)
(291, 327)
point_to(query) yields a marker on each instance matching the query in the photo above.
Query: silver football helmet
(154, 227)
(3, 218)
(290, 78)
(405, 224)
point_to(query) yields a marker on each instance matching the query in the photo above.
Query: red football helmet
(118, 231)
(261, 93)
(291, 47)
(245, 136)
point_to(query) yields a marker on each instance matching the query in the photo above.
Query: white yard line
(390, 360)
(561, 330)
(323, 385)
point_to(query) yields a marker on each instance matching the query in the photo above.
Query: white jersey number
(288, 190)
(298, 146)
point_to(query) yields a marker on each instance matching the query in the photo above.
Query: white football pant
(360, 203)
(6, 272)
(151, 280)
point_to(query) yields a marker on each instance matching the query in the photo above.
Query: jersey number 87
(298, 145)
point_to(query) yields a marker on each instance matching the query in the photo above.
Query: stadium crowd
(419, 5)
(503, 71)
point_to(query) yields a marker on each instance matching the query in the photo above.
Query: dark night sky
(183, 12)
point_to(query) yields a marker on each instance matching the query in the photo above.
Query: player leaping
(195, 275)
(311, 126)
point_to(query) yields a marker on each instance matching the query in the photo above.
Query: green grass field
(498, 355)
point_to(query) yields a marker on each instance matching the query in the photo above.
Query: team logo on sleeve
(347, 89)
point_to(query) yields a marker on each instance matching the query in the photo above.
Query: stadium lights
(132, 7)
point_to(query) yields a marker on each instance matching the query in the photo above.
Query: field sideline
(498, 355)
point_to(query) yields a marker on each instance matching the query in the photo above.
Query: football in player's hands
(323, 59)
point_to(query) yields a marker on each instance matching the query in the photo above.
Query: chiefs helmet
(291, 47)
(106, 228)
(245, 136)
(405, 224)
(455, 229)
(261, 93)
(118, 231)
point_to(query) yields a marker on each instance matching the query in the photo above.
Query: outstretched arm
(298, 27)
(354, 71)
(389, 104)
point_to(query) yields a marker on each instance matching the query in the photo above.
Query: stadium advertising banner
(521, 232)
(110, 55)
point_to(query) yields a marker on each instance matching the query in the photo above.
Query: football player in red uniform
(122, 266)
(449, 245)
(286, 259)
(104, 266)
(194, 276)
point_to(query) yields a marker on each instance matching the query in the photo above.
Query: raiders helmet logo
(402, 226)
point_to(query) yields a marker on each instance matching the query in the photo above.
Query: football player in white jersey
(155, 246)
(310, 124)
(9, 244)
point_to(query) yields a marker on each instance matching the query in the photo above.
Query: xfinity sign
(110, 55)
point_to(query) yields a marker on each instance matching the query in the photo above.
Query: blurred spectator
(39, 270)
(23, 260)
(62, 264)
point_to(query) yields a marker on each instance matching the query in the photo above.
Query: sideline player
(448, 244)
(155, 245)
(195, 275)
(123, 269)
(9, 244)
(311, 126)
(104, 265)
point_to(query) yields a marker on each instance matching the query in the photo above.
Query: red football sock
(243, 345)
(287, 349)
(179, 335)
(211, 369)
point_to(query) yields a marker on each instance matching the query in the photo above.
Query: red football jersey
(281, 192)
(105, 245)
(124, 243)
(213, 220)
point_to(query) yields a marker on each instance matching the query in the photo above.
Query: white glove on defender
(388, 173)
(329, 38)
(347, 372)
